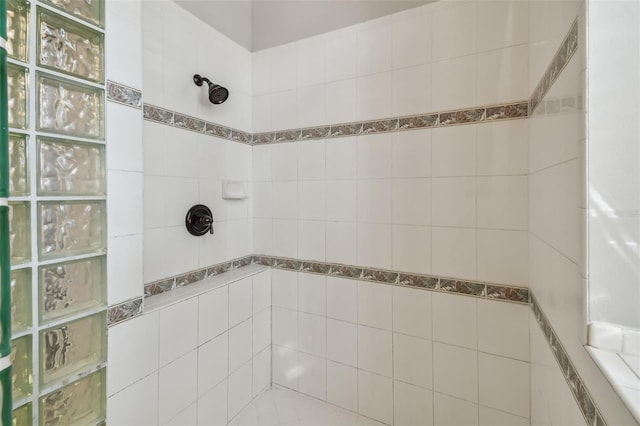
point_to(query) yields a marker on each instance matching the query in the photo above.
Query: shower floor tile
(283, 407)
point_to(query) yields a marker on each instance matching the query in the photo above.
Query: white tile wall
(184, 361)
(403, 355)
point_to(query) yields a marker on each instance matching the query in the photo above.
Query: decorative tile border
(124, 95)
(437, 119)
(168, 284)
(562, 57)
(124, 311)
(585, 402)
(428, 282)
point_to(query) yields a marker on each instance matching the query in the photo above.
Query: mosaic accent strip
(124, 95)
(562, 57)
(582, 396)
(124, 311)
(483, 290)
(437, 119)
(168, 284)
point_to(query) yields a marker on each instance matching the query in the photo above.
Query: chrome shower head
(217, 93)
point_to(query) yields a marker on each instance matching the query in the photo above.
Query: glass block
(22, 415)
(22, 378)
(17, 29)
(69, 47)
(90, 11)
(19, 237)
(69, 108)
(18, 165)
(70, 228)
(69, 348)
(70, 287)
(17, 95)
(70, 168)
(20, 300)
(79, 403)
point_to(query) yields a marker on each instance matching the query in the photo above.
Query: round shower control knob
(199, 220)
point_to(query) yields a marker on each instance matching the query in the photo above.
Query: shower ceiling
(260, 24)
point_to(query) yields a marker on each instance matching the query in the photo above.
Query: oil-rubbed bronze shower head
(217, 93)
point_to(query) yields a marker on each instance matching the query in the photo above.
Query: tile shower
(393, 258)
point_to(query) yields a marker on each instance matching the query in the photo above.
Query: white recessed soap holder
(233, 190)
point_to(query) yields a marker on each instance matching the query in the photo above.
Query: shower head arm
(197, 79)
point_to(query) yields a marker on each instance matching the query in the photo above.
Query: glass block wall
(57, 210)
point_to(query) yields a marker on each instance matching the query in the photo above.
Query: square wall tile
(311, 160)
(411, 37)
(504, 384)
(178, 330)
(411, 154)
(411, 90)
(374, 201)
(137, 404)
(374, 99)
(178, 386)
(411, 201)
(503, 148)
(502, 24)
(342, 386)
(213, 312)
(312, 334)
(284, 327)
(340, 54)
(212, 406)
(456, 86)
(341, 101)
(447, 43)
(261, 291)
(503, 75)
(342, 342)
(240, 344)
(261, 371)
(313, 375)
(503, 329)
(411, 248)
(453, 202)
(503, 256)
(240, 390)
(124, 268)
(412, 405)
(503, 202)
(375, 351)
(312, 200)
(341, 158)
(240, 301)
(374, 46)
(374, 156)
(455, 371)
(455, 320)
(453, 252)
(261, 330)
(412, 312)
(285, 367)
(341, 200)
(312, 294)
(342, 299)
(284, 287)
(449, 411)
(374, 245)
(375, 396)
(213, 368)
(412, 360)
(341, 244)
(375, 305)
(141, 336)
(491, 417)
